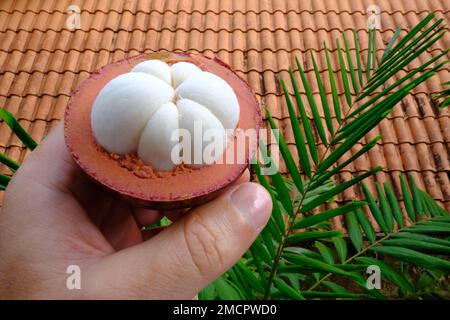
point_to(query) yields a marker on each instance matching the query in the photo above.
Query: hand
(53, 217)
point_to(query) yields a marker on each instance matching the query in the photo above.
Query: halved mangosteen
(125, 125)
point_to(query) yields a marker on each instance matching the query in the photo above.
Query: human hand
(53, 217)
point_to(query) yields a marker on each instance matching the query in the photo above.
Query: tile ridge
(280, 94)
(228, 12)
(228, 30)
(194, 50)
(256, 93)
(310, 117)
(246, 71)
(274, 117)
(382, 143)
(389, 119)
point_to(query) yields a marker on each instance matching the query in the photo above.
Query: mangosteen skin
(182, 189)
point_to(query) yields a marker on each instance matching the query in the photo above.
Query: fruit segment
(123, 107)
(162, 126)
(197, 119)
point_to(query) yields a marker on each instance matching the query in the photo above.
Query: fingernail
(254, 202)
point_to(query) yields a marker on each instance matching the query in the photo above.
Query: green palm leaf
(15, 126)
(444, 96)
(311, 235)
(305, 121)
(290, 164)
(312, 104)
(344, 76)
(298, 136)
(323, 98)
(415, 257)
(326, 215)
(354, 231)
(365, 224)
(13, 165)
(334, 91)
(286, 289)
(341, 248)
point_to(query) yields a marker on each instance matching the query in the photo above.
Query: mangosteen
(162, 129)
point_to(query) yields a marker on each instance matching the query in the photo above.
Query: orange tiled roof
(41, 62)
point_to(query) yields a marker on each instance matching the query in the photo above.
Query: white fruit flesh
(180, 71)
(123, 108)
(161, 126)
(156, 68)
(140, 112)
(192, 115)
(216, 95)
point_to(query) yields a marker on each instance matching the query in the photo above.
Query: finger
(184, 258)
(245, 177)
(51, 160)
(120, 228)
(175, 215)
(144, 217)
(150, 233)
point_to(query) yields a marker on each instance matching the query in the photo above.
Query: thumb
(181, 260)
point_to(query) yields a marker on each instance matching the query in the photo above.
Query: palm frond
(10, 163)
(334, 91)
(4, 180)
(443, 96)
(323, 216)
(26, 139)
(298, 135)
(312, 105)
(292, 167)
(15, 126)
(417, 243)
(299, 254)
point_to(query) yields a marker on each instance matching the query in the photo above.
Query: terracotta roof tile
(41, 62)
